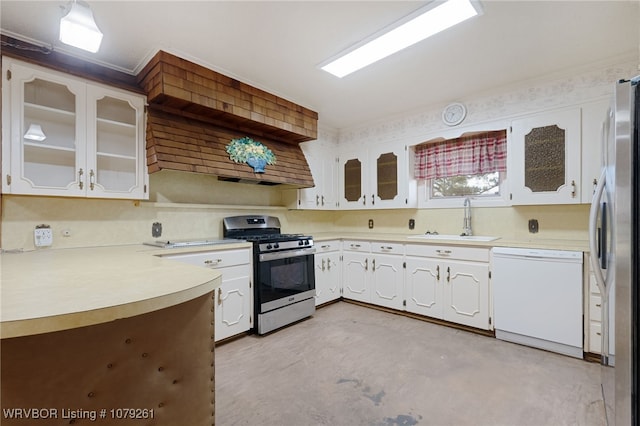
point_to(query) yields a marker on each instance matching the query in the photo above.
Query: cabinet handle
(91, 179)
(448, 274)
(595, 185)
(598, 305)
(438, 272)
(386, 248)
(323, 264)
(443, 252)
(328, 264)
(373, 199)
(326, 246)
(366, 264)
(355, 246)
(364, 200)
(373, 265)
(212, 262)
(598, 333)
(219, 296)
(322, 198)
(80, 182)
(317, 200)
(573, 189)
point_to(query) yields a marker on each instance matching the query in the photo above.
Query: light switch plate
(43, 237)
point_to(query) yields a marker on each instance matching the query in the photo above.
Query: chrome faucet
(466, 223)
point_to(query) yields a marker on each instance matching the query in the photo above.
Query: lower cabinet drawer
(479, 254)
(214, 259)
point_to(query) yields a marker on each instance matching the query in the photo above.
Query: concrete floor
(352, 365)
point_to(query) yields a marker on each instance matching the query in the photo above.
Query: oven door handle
(265, 257)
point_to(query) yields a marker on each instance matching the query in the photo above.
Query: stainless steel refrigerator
(615, 244)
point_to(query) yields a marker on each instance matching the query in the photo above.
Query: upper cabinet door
(115, 157)
(376, 179)
(88, 140)
(544, 161)
(43, 148)
(593, 119)
(354, 186)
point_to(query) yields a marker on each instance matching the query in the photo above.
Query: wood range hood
(194, 113)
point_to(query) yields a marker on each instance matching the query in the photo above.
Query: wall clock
(454, 114)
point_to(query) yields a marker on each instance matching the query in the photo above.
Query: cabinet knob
(219, 296)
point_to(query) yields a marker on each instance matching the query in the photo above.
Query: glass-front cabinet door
(45, 115)
(64, 136)
(115, 155)
(545, 158)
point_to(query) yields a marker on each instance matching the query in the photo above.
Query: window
(484, 185)
(471, 165)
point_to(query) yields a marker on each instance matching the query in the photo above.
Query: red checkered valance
(475, 154)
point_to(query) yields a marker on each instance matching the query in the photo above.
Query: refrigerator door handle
(593, 237)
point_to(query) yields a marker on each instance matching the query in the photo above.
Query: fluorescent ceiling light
(77, 28)
(35, 133)
(423, 23)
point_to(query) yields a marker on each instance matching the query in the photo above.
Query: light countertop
(49, 290)
(560, 244)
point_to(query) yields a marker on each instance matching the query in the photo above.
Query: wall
(192, 206)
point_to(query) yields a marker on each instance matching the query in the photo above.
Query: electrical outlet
(370, 223)
(156, 229)
(533, 226)
(412, 224)
(43, 236)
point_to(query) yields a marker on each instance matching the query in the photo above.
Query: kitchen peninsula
(113, 330)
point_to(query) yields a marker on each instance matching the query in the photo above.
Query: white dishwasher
(537, 298)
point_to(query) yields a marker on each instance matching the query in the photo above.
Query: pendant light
(78, 29)
(35, 133)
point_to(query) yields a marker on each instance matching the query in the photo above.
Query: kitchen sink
(453, 237)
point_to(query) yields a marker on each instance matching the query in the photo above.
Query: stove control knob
(269, 247)
(301, 242)
(306, 242)
(276, 245)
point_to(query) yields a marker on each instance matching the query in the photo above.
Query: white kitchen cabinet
(377, 178)
(323, 166)
(234, 298)
(373, 273)
(94, 145)
(593, 117)
(449, 283)
(544, 162)
(387, 275)
(593, 317)
(328, 271)
(355, 270)
(423, 285)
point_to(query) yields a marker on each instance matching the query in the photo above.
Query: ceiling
(277, 46)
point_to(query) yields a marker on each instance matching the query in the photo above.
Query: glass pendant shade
(77, 28)
(35, 133)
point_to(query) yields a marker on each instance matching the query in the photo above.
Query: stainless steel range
(284, 282)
